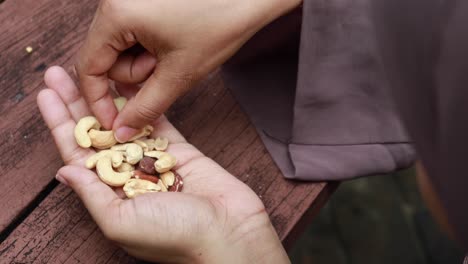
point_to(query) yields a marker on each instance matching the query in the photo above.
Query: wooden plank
(59, 229)
(28, 158)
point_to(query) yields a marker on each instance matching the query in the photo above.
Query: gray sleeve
(312, 84)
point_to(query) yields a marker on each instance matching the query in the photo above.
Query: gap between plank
(23, 214)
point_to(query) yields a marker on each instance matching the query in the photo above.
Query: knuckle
(181, 79)
(147, 113)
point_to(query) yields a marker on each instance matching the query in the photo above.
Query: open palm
(214, 211)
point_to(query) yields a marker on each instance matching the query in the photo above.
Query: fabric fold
(312, 85)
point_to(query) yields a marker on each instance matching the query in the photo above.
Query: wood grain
(28, 158)
(59, 228)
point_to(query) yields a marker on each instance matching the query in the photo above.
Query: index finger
(103, 44)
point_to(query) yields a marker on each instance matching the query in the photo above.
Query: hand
(216, 219)
(185, 39)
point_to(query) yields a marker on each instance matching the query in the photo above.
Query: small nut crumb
(29, 49)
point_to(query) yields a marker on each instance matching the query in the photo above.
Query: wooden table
(44, 222)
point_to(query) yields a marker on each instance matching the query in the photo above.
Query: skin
(216, 219)
(168, 45)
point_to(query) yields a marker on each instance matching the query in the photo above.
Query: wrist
(254, 241)
(266, 11)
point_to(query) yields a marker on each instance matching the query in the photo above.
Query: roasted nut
(146, 131)
(168, 178)
(107, 174)
(120, 102)
(161, 143)
(133, 152)
(81, 130)
(154, 154)
(150, 143)
(102, 139)
(135, 187)
(147, 165)
(141, 175)
(116, 158)
(163, 186)
(125, 167)
(178, 184)
(142, 144)
(165, 163)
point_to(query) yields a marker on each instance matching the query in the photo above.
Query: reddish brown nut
(143, 176)
(147, 165)
(178, 183)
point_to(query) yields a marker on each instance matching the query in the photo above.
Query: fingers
(100, 200)
(106, 39)
(127, 90)
(57, 78)
(133, 69)
(161, 89)
(61, 124)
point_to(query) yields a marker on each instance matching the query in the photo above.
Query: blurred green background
(379, 219)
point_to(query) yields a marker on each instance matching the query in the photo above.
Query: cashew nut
(107, 174)
(150, 143)
(134, 187)
(133, 152)
(81, 130)
(102, 139)
(161, 143)
(120, 102)
(116, 157)
(154, 154)
(146, 131)
(142, 144)
(165, 163)
(163, 186)
(125, 167)
(168, 178)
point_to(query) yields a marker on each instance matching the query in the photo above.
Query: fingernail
(60, 178)
(123, 134)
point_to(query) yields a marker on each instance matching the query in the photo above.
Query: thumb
(97, 197)
(160, 90)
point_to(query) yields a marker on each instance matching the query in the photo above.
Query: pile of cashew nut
(140, 165)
